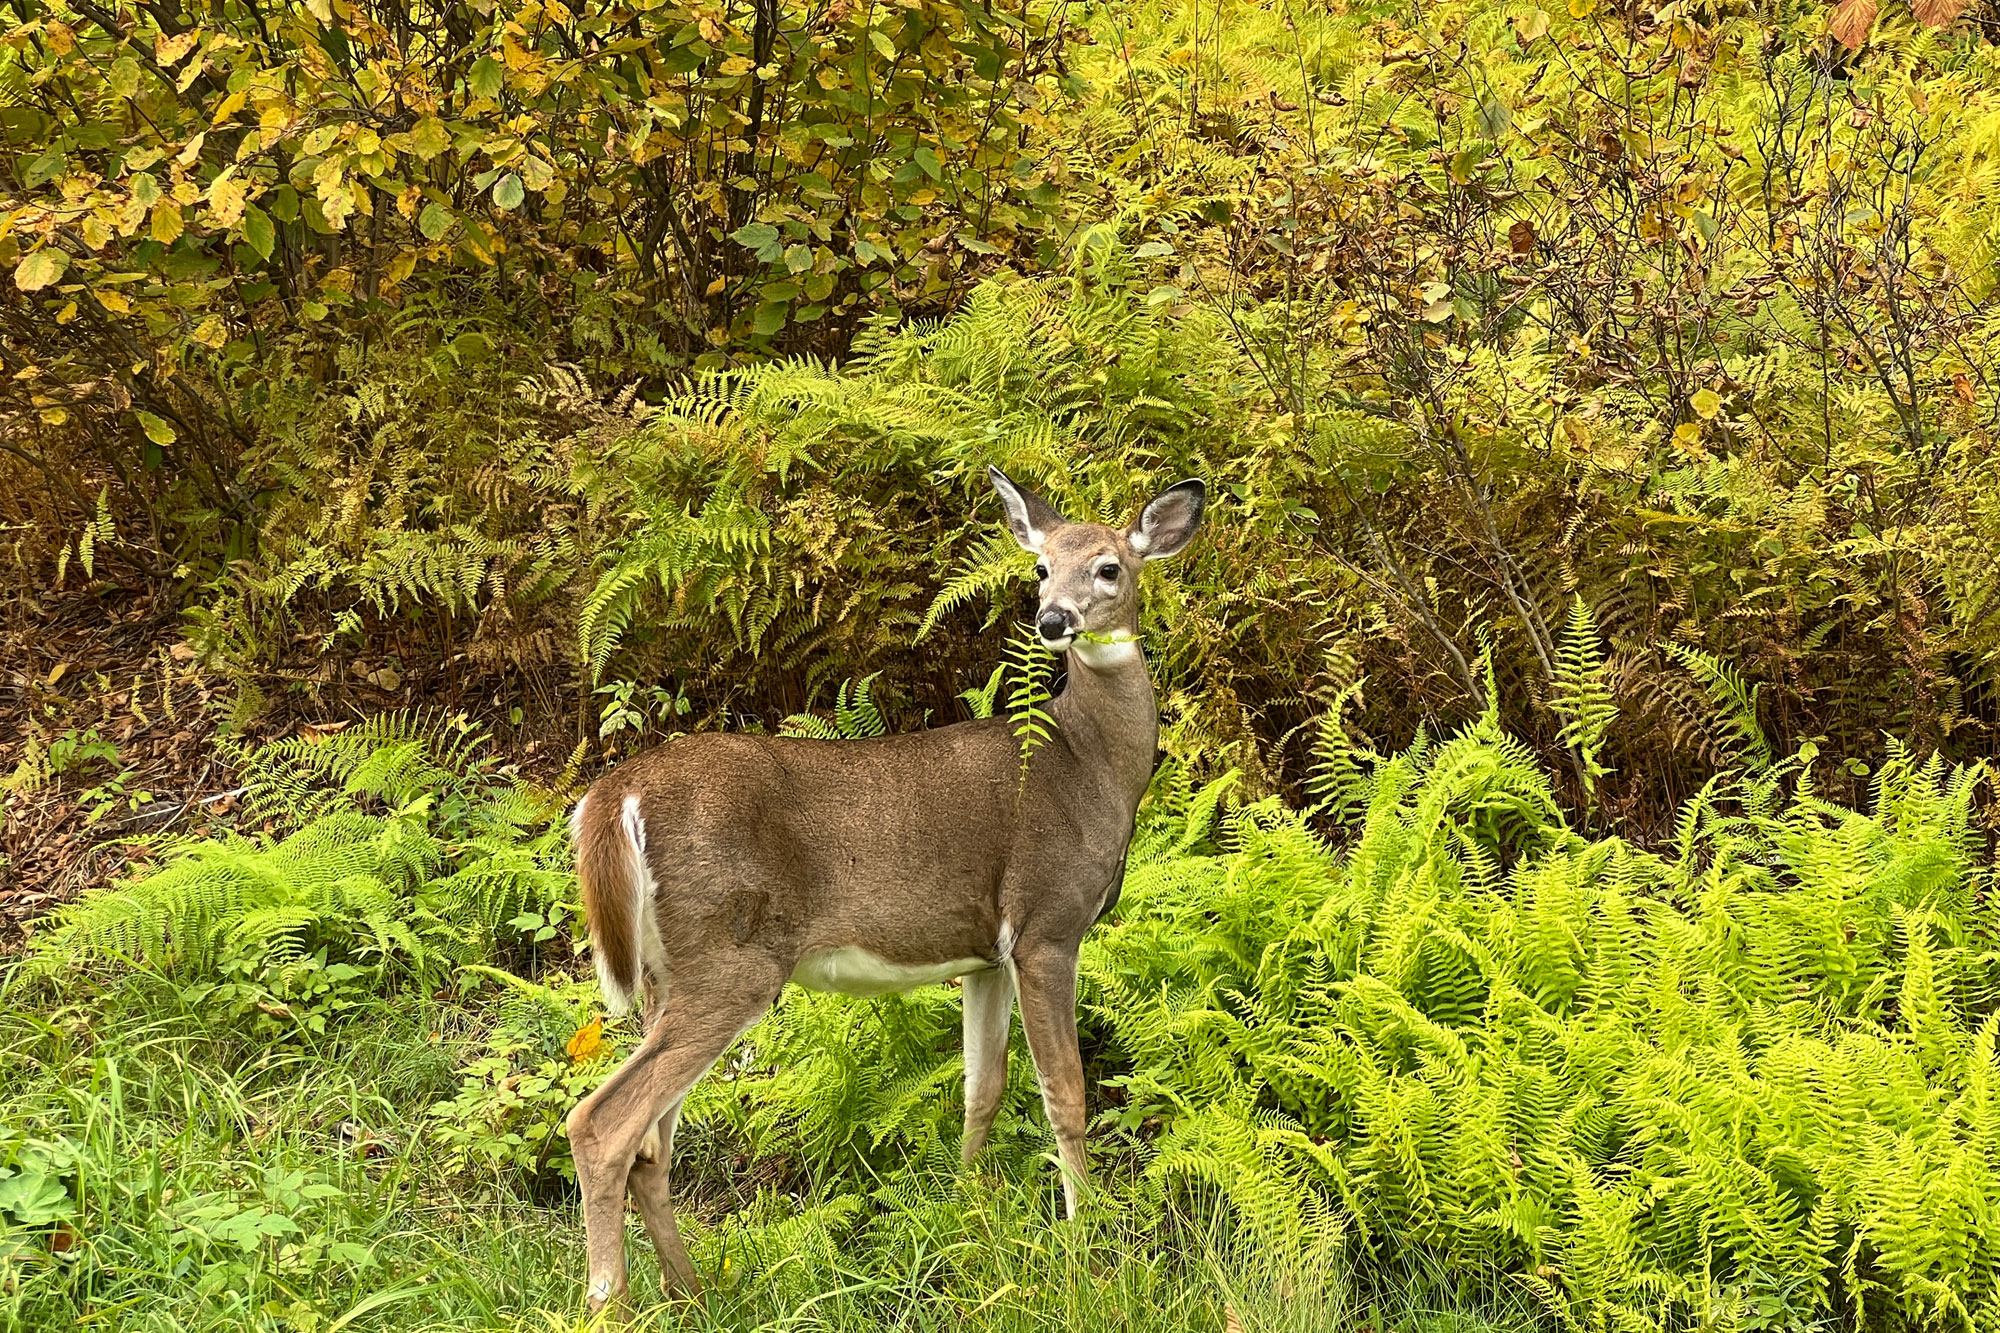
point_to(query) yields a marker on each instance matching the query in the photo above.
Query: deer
(719, 866)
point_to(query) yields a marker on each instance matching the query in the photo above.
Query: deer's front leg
(1047, 979)
(989, 1013)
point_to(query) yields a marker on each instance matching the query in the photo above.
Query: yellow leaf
(210, 333)
(169, 50)
(1706, 404)
(167, 224)
(192, 150)
(114, 301)
(402, 266)
(40, 269)
(67, 313)
(55, 416)
(587, 1042)
(225, 200)
(1582, 9)
(231, 105)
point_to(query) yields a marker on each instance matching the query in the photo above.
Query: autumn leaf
(157, 430)
(40, 269)
(168, 50)
(587, 1042)
(1521, 237)
(1706, 403)
(167, 223)
(1937, 13)
(1851, 22)
(429, 138)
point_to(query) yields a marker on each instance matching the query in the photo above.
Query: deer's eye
(1041, 570)
(1109, 573)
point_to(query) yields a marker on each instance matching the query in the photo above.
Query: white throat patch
(1103, 656)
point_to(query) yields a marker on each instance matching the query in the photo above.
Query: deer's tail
(618, 889)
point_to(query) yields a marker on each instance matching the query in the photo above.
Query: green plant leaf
(258, 231)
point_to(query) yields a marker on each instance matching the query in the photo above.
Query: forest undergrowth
(1567, 899)
(1459, 1061)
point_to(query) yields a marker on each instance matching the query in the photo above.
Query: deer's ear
(1030, 518)
(1167, 525)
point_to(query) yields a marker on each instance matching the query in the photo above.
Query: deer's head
(1090, 573)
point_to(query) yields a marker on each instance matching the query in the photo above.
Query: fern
(855, 716)
(1582, 698)
(1029, 662)
(397, 855)
(1735, 701)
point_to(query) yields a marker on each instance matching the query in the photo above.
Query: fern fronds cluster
(1673, 1086)
(391, 849)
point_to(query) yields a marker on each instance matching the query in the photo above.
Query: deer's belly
(855, 971)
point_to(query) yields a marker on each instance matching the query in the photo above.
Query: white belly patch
(852, 970)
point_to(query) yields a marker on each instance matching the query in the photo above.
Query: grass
(212, 1180)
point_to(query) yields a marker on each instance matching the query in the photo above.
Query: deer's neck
(1108, 716)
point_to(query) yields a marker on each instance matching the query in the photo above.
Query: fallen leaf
(1521, 237)
(587, 1042)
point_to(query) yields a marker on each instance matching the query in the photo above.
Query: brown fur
(923, 849)
(604, 872)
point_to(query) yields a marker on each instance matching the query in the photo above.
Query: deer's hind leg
(989, 1014)
(707, 1008)
(652, 1193)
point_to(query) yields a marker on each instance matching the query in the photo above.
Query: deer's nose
(1053, 625)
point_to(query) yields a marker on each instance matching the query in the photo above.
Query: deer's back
(803, 845)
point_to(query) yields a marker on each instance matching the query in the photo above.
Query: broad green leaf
(508, 192)
(487, 77)
(123, 77)
(434, 221)
(769, 318)
(258, 232)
